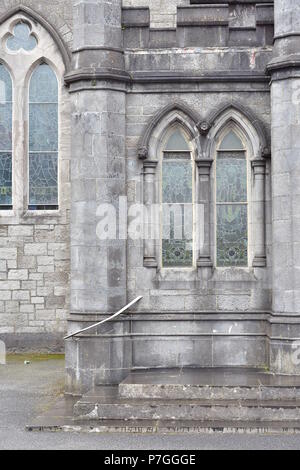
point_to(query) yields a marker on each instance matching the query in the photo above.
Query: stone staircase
(205, 398)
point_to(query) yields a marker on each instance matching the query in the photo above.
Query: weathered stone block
(35, 249)
(18, 274)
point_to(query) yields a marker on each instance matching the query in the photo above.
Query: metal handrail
(106, 319)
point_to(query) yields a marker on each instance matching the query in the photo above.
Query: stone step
(207, 392)
(209, 384)
(115, 408)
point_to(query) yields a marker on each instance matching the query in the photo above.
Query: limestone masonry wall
(34, 267)
(34, 247)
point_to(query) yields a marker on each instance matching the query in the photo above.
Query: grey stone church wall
(134, 65)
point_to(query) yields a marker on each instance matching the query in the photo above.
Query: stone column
(258, 203)
(150, 255)
(97, 85)
(285, 102)
(203, 216)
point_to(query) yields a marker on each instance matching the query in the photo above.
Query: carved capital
(204, 165)
(259, 166)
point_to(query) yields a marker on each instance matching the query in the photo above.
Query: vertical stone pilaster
(285, 107)
(203, 216)
(258, 214)
(98, 180)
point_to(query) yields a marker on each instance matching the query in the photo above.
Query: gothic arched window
(34, 154)
(43, 138)
(177, 172)
(5, 139)
(231, 202)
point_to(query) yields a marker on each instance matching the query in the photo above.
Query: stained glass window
(43, 139)
(177, 202)
(5, 139)
(231, 197)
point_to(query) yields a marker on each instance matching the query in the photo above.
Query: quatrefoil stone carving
(22, 38)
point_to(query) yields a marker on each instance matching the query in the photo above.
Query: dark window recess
(6, 208)
(42, 208)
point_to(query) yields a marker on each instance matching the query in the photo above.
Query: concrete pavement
(29, 390)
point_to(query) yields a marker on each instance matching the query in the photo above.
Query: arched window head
(5, 139)
(232, 202)
(231, 142)
(177, 142)
(43, 139)
(177, 202)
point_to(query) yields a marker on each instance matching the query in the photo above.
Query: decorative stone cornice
(90, 74)
(283, 63)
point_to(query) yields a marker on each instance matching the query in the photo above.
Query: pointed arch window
(43, 138)
(231, 202)
(5, 139)
(177, 172)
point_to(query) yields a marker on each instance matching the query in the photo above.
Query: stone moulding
(282, 63)
(162, 77)
(96, 74)
(250, 116)
(33, 15)
(175, 106)
(229, 2)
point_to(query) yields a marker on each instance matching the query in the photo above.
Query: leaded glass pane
(177, 142)
(177, 253)
(231, 178)
(43, 85)
(177, 243)
(21, 39)
(5, 137)
(5, 127)
(5, 179)
(177, 184)
(43, 137)
(177, 221)
(231, 142)
(177, 198)
(5, 86)
(43, 178)
(43, 127)
(232, 235)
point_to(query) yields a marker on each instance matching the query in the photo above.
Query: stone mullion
(203, 204)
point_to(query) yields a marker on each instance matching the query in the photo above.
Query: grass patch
(34, 357)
